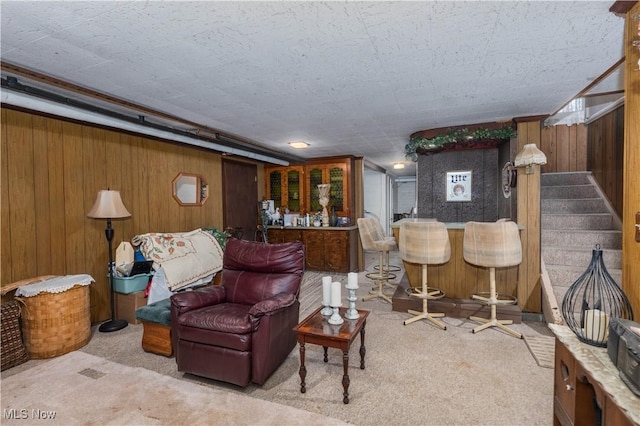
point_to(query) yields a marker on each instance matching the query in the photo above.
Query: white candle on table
(336, 296)
(326, 291)
(596, 324)
(352, 280)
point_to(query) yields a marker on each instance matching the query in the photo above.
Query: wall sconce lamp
(509, 178)
(109, 206)
(529, 156)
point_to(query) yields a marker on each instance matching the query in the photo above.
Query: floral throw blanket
(184, 256)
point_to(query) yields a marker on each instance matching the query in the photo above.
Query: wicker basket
(54, 324)
(12, 351)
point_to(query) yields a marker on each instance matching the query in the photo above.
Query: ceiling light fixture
(299, 144)
(398, 166)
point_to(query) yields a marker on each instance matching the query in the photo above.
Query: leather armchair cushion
(190, 300)
(279, 301)
(225, 325)
(252, 274)
(243, 255)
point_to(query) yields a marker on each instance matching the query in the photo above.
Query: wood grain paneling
(55, 169)
(21, 189)
(529, 290)
(565, 148)
(41, 192)
(605, 151)
(74, 205)
(631, 182)
(6, 260)
(548, 146)
(51, 172)
(581, 148)
(96, 161)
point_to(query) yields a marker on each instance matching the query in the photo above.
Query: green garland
(420, 143)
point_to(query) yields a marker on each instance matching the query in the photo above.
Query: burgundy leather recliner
(241, 330)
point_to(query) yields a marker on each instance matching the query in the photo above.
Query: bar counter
(457, 278)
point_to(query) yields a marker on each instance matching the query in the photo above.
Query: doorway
(240, 198)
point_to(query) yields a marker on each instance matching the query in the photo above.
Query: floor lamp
(109, 206)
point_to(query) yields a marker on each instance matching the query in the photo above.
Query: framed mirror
(190, 189)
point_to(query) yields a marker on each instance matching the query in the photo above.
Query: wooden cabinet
(327, 250)
(284, 185)
(337, 174)
(333, 249)
(296, 187)
(281, 235)
(587, 389)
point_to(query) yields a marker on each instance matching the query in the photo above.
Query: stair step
(608, 239)
(568, 192)
(582, 205)
(574, 218)
(563, 276)
(590, 221)
(569, 178)
(580, 257)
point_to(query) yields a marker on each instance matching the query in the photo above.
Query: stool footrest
(500, 299)
(388, 268)
(374, 276)
(433, 293)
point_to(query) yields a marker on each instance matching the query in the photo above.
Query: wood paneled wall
(51, 172)
(565, 148)
(605, 152)
(528, 208)
(631, 176)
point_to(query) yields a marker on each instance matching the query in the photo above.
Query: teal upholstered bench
(156, 323)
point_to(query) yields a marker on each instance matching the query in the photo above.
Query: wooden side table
(317, 330)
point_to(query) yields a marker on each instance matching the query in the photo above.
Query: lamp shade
(108, 205)
(529, 155)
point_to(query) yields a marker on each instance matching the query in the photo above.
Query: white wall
(405, 196)
(384, 196)
(376, 196)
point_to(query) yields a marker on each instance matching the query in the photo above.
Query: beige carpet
(415, 374)
(78, 388)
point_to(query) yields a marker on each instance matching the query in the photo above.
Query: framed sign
(458, 186)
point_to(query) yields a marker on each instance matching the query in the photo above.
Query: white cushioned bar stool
(425, 243)
(493, 245)
(373, 240)
(387, 266)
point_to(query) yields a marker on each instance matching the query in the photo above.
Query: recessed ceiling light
(398, 166)
(299, 144)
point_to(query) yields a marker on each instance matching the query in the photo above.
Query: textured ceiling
(349, 78)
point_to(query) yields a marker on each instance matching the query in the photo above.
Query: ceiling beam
(621, 7)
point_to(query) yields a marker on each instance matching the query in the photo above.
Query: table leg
(326, 357)
(363, 350)
(345, 378)
(303, 370)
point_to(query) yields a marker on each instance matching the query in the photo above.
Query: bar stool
(493, 245)
(372, 240)
(425, 243)
(387, 266)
